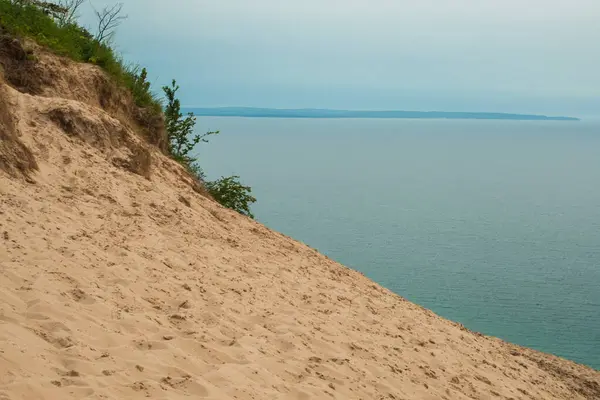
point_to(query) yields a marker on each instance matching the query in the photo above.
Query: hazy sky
(539, 56)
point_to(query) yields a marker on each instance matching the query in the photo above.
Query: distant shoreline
(250, 112)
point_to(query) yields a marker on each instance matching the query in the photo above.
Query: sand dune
(120, 281)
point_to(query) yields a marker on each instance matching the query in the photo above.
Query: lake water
(495, 224)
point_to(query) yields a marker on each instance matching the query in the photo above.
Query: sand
(116, 286)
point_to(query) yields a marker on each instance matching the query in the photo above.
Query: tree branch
(108, 20)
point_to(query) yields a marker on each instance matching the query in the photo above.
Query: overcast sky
(540, 56)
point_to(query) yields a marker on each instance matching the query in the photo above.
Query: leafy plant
(196, 170)
(232, 194)
(140, 88)
(180, 129)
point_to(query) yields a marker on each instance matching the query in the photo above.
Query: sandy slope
(114, 286)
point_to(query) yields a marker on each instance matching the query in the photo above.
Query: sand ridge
(115, 286)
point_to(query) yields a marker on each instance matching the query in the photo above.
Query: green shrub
(230, 193)
(136, 80)
(180, 129)
(196, 170)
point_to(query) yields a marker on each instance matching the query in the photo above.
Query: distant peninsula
(324, 113)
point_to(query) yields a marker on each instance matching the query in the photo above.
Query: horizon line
(346, 113)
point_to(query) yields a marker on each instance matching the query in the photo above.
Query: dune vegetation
(54, 26)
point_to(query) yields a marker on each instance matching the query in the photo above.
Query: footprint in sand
(81, 297)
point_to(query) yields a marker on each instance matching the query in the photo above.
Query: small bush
(230, 193)
(196, 170)
(180, 129)
(136, 80)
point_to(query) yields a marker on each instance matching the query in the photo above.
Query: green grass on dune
(76, 43)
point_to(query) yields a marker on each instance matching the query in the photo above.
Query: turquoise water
(495, 224)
